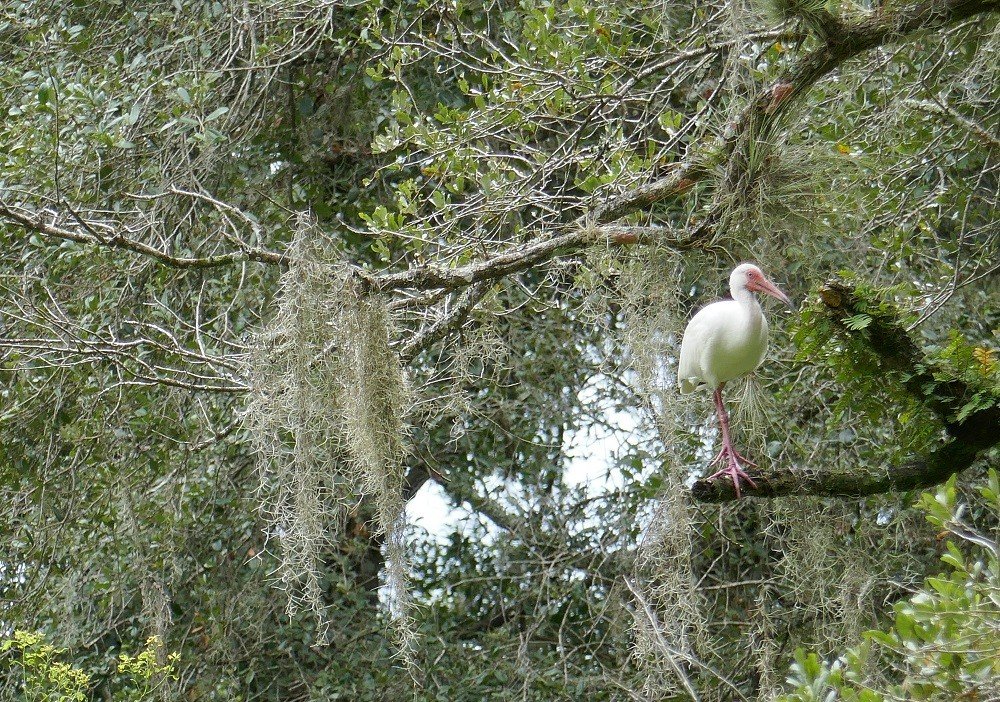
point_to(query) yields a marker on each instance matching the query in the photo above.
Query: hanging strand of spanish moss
(375, 429)
(327, 415)
(293, 395)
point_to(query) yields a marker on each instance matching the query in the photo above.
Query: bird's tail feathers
(689, 385)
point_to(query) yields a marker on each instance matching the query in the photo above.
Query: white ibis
(726, 340)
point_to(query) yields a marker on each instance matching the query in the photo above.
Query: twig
(671, 653)
(116, 240)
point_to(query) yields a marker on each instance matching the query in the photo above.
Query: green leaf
(216, 113)
(857, 322)
(133, 114)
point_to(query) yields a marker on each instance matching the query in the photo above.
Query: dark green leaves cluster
(866, 386)
(943, 642)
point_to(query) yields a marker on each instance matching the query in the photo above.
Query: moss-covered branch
(933, 385)
(102, 236)
(916, 474)
(842, 40)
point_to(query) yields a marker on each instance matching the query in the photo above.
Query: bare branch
(520, 259)
(941, 107)
(681, 177)
(461, 492)
(116, 240)
(842, 42)
(125, 356)
(670, 653)
(446, 323)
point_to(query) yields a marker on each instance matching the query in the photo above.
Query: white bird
(726, 340)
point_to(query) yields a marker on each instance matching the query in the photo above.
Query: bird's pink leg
(729, 454)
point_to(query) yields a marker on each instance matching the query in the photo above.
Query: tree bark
(916, 474)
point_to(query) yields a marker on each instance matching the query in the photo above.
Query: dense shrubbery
(943, 641)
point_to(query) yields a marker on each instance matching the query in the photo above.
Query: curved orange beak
(769, 288)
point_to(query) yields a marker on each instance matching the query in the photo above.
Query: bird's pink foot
(730, 451)
(733, 469)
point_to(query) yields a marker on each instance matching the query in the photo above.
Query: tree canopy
(275, 273)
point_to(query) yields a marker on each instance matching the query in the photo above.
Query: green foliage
(815, 679)
(944, 641)
(866, 387)
(816, 338)
(149, 670)
(816, 15)
(43, 676)
(141, 676)
(975, 365)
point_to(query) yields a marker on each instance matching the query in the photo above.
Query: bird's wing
(696, 336)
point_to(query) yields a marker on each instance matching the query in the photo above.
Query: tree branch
(925, 380)
(116, 240)
(497, 513)
(448, 321)
(941, 107)
(917, 474)
(842, 42)
(671, 654)
(526, 257)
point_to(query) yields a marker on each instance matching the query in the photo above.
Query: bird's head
(747, 276)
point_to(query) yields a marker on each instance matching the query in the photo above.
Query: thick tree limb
(917, 474)
(681, 177)
(898, 354)
(899, 359)
(526, 257)
(461, 493)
